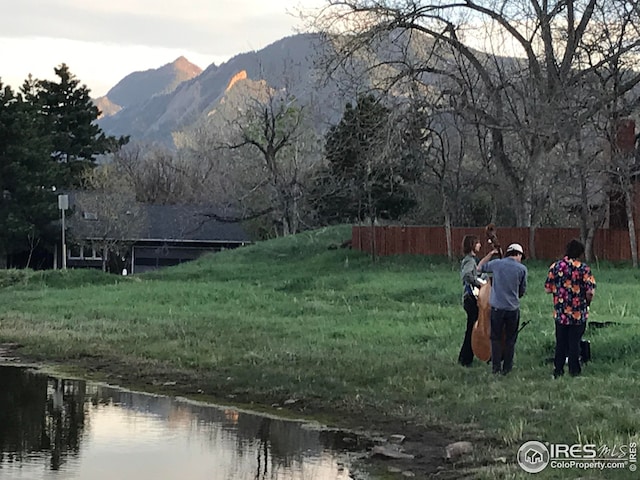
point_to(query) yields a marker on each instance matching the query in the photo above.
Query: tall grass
(291, 318)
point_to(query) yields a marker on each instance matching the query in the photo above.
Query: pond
(67, 429)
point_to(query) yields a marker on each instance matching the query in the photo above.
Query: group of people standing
(569, 280)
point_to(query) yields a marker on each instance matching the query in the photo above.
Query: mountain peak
(138, 87)
(181, 64)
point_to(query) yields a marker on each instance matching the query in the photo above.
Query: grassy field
(294, 319)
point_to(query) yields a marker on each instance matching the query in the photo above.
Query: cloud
(99, 66)
(104, 41)
(211, 27)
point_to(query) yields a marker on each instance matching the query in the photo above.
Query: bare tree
(529, 82)
(278, 145)
(156, 174)
(106, 215)
(432, 138)
(624, 172)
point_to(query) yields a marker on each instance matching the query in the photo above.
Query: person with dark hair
(573, 286)
(508, 285)
(471, 283)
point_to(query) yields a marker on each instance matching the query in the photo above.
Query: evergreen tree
(48, 138)
(70, 120)
(362, 177)
(27, 201)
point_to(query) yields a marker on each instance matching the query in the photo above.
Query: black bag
(585, 351)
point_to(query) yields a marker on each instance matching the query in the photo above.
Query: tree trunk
(447, 227)
(104, 259)
(532, 242)
(493, 217)
(373, 239)
(588, 242)
(526, 209)
(372, 213)
(447, 230)
(286, 230)
(632, 226)
(294, 215)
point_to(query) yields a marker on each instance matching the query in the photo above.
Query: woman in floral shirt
(572, 285)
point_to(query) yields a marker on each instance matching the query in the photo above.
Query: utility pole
(63, 204)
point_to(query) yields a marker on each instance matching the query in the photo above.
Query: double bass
(481, 334)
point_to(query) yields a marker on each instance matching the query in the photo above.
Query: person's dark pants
(568, 345)
(466, 352)
(504, 324)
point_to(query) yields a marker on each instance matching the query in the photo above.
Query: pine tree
(27, 176)
(361, 179)
(48, 138)
(70, 120)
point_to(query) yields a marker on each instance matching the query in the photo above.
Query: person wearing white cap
(509, 284)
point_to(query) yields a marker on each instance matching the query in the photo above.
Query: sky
(103, 41)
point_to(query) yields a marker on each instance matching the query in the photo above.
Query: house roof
(188, 223)
(114, 217)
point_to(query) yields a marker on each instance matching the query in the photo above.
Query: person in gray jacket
(509, 284)
(471, 282)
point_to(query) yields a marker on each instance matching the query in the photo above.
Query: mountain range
(138, 87)
(154, 106)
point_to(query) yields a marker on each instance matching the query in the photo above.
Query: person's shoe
(557, 374)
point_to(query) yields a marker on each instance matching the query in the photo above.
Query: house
(113, 232)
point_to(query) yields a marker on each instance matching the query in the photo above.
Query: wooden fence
(550, 243)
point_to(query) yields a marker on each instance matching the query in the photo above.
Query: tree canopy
(48, 138)
(69, 119)
(363, 177)
(27, 175)
(531, 77)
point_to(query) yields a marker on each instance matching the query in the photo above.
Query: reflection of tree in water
(65, 418)
(38, 414)
(282, 444)
(273, 445)
(44, 420)
(278, 444)
(263, 450)
(22, 410)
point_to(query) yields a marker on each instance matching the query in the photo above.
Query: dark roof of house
(112, 216)
(188, 222)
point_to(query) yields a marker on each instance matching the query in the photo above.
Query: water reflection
(70, 429)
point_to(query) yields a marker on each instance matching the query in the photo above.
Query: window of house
(78, 252)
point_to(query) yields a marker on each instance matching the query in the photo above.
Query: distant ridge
(138, 87)
(287, 64)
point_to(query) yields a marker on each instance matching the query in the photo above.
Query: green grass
(290, 318)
